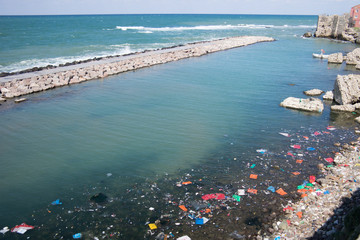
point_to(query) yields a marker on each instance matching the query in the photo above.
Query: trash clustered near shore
(233, 195)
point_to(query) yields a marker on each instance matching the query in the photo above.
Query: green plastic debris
(252, 166)
(300, 187)
(236, 197)
(329, 166)
(309, 184)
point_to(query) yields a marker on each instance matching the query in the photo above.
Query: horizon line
(88, 14)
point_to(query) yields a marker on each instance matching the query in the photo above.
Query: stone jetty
(27, 83)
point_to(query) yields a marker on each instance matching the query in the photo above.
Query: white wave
(111, 50)
(146, 32)
(208, 27)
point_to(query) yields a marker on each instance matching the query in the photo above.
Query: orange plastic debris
(299, 161)
(306, 138)
(187, 183)
(304, 195)
(182, 207)
(281, 192)
(299, 214)
(208, 210)
(253, 191)
(302, 190)
(253, 176)
(296, 173)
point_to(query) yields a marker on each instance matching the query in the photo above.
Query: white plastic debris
(184, 238)
(4, 230)
(241, 192)
(284, 134)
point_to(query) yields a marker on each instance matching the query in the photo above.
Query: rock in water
(347, 89)
(99, 198)
(353, 58)
(310, 104)
(343, 108)
(328, 96)
(336, 58)
(313, 92)
(307, 34)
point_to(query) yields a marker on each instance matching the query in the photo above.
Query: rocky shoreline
(27, 83)
(329, 206)
(335, 27)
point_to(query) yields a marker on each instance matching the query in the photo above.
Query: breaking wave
(112, 50)
(209, 27)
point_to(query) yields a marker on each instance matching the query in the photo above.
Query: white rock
(357, 119)
(328, 95)
(347, 89)
(336, 58)
(310, 104)
(353, 58)
(4, 90)
(313, 92)
(343, 108)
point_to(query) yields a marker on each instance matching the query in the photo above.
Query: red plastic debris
(290, 154)
(312, 179)
(22, 228)
(330, 160)
(217, 196)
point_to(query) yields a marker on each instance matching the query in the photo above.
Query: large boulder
(347, 89)
(313, 92)
(336, 58)
(353, 58)
(310, 104)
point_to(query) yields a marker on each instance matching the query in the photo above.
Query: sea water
(155, 122)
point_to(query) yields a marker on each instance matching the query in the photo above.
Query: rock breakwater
(17, 85)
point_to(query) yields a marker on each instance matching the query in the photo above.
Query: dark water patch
(130, 207)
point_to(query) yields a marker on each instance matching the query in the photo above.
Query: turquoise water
(153, 123)
(33, 41)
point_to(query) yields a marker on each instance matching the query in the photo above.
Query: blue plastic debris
(277, 238)
(56, 202)
(252, 166)
(271, 188)
(77, 236)
(201, 221)
(310, 149)
(326, 192)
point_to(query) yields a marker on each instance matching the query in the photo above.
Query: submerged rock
(310, 104)
(99, 198)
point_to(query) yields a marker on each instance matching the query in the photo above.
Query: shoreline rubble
(27, 83)
(321, 213)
